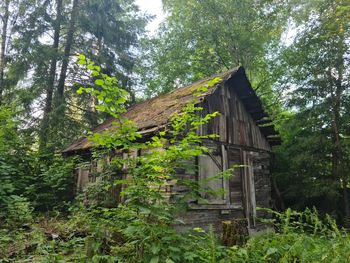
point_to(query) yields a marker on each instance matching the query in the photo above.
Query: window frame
(222, 165)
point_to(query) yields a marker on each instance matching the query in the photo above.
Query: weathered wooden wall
(204, 214)
(240, 142)
(234, 125)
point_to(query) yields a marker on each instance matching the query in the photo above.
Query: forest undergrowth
(94, 235)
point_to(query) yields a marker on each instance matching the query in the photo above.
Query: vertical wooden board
(228, 92)
(79, 178)
(232, 106)
(226, 104)
(235, 181)
(252, 134)
(235, 131)
(100, 164)
(249, 135)
(93, 171)
(252, 196)
(229, 130)
(242, 110)
(209, 129)
(236, 108)
(259, 138)
(225, 165)
(242, 133)
(83, 177)
(222, 128)
(255, 138)
(214, 101)
(203, 129)
(245, 184)
(247, 115)
(213, 126)
(239, 115)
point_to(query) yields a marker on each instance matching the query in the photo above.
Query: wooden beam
(258, 115)
(263, 121)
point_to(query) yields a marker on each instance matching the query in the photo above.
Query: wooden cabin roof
(153, 114)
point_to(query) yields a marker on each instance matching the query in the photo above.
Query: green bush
(18, 212)
(299, 237)
(16, 162)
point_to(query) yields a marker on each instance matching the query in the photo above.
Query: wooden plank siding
(234, 125)
(245, 146)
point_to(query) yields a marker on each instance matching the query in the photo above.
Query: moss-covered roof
(151, 115)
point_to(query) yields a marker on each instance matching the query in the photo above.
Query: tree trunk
(51, 78)
(67, 49)
(5, 20)
(337, 152)
(346, 207)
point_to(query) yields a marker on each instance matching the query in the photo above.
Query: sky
(152, 7)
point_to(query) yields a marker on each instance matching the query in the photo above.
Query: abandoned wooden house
(246, 136)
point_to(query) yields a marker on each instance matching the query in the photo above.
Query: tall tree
(108, 32)
(49, 36)
(67, 50)
(317, 65)
(200, 38)
(51, 76)
(5, 19)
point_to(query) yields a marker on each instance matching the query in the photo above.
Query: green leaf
(80, 90)
(155, 249)
(81, 57)
(81, 62)
(199, 230)
(271, 251)
(99, 82)
(120, 100)
(155, 259)
(130, 230)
